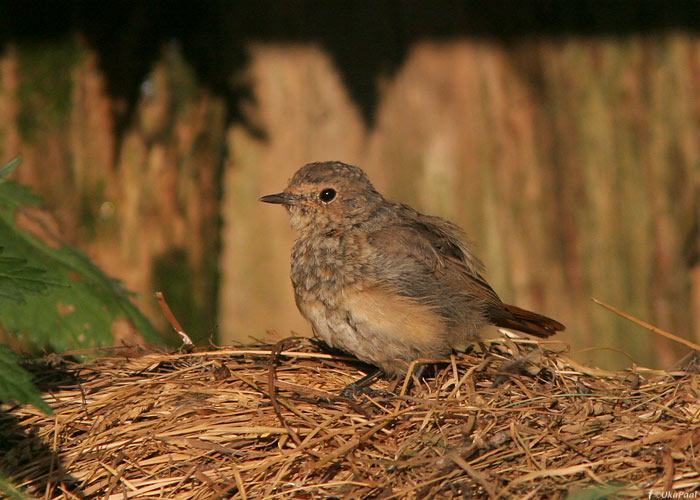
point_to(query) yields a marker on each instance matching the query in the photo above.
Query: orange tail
(525, 321)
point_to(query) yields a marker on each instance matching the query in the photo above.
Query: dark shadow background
(367, 39)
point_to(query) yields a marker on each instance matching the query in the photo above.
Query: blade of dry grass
(652, 328)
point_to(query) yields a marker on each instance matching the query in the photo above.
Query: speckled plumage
(382, 281)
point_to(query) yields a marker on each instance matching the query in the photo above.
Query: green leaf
(16, 382)
(598, 492)
(10, 491)
(52, 295)
(9, 167)
(18, 279)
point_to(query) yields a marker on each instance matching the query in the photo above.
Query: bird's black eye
(327, 195)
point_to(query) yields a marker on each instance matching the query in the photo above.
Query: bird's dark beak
(282, 198)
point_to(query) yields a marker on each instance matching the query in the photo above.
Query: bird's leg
(420, 371)
(361, 386)
(417, 374)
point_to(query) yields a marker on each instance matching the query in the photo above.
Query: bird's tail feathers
(528, 322)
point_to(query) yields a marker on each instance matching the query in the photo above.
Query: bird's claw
(353, 390)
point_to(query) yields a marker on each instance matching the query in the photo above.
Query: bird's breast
(325, 262)
(323, 268)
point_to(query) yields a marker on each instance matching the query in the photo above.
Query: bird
(383, 282)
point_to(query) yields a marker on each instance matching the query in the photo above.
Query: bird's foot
(353, 390)
(362, 386)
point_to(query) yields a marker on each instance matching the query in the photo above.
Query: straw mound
(510, 419)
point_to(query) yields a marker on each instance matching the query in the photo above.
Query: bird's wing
(448, 240)
(446, 249)
(431, 259)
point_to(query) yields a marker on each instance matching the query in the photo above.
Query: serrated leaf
(57, 298)
(16, 382)
(9, 167)
(18, 279)
(10, 262)
(13, 195)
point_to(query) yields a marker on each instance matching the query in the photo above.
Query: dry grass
(511, 419)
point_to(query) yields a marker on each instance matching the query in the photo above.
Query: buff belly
(378, 327)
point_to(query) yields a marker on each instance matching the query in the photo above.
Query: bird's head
(327, 197)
